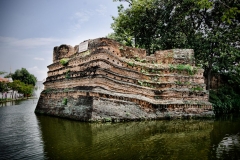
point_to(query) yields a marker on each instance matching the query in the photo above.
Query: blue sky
(29, 29)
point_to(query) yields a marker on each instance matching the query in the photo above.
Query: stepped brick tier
(102, 80)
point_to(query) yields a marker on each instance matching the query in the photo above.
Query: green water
(177, 139)
(24, 135)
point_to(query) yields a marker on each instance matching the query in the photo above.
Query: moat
(25, 135)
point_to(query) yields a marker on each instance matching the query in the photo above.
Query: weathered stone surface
(111, 82)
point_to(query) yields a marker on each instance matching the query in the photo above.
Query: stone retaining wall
(111, 82)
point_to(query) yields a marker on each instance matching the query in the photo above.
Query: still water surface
(24, 135)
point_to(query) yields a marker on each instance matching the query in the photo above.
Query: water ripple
(23, 135)
(20, 137)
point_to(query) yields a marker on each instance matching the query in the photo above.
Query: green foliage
(225, 100)
(107, 119)
(155, 78)
(3, 87)
(66, 90)
(48, 90)
(85, 53)
(178, 83)
(140, 82)
(127, 40)
(24, 76)
(2, 72)
(9, 75)
(64, 61)
(145, 83)
(26, 89)
(211, 28)
(171, 67)
(17, 85)
(182, 67)
(197, 88)
(64, 101)
(121, 47)
(131, 63)
(3, 100)
(67, 75)
(144, 71)
(230, 14)
(140, 60)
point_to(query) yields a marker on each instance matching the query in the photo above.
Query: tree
(2, 72)
(15, 86)
(210, 27)
(24, 76)
(3, 88)
(26, 89)
(9, 75)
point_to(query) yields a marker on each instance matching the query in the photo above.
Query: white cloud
(40, 73)
(33, 68)
(102, 9)
(40, 59)
(80, 18)
(28, 42)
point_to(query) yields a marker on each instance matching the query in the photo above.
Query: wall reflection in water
(11, 103)
(225, 138)
(175, 139)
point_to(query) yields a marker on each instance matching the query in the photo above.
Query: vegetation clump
(64, 61)
(225, 100)
(23, 82)
(64, 101)
(182, 67)
(130, 63)
(145, 84)
(48, 90)
(197, 88)
(210, 27)
(85, 53)
(67, 75)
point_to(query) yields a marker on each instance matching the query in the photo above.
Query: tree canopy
(2, 72)
(24, 76)
(210, 27)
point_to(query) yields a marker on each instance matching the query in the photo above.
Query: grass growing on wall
(64, 101)
(191, 70)
(67, 75)
(64, 61)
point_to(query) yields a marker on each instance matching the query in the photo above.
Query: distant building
(5, 79)
(10, 79)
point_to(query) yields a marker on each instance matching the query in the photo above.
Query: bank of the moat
(102, 80)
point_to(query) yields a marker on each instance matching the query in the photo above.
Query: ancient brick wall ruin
(107, 81)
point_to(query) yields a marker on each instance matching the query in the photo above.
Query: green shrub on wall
(182, 67)
(67, 75)
(64, 61)
(64, 102)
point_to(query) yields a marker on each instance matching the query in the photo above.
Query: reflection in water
(23, 135)
(32, 102)
(11, 103)
(20, 137)
(225, 138)
(227, 145)
(133, 140)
